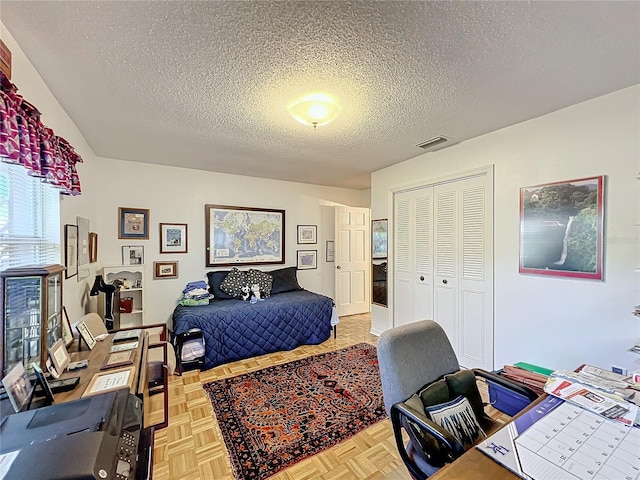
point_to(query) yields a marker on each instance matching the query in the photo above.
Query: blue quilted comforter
(234, 330)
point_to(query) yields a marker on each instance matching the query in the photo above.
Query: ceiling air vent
(432, 142)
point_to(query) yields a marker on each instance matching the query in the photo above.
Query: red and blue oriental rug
(280, 415)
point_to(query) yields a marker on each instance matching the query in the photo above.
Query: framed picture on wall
(133, 223)
(133, 255)
(165, 269)
(307, 234)
(331, 251)
(379, 238)
(173, 238)
(243, 236)
(561, 225)
(307, 259)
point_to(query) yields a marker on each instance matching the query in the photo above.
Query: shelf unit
(133, 280)
(32, 314)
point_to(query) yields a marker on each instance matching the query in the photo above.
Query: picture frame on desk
(86, 335)
(110, 380)
(67, 332)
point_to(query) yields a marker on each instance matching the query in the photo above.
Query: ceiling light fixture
(315, 110)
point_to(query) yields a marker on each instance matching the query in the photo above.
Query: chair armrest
(447, 445)
(507, 383)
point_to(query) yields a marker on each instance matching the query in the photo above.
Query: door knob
(444, 281)
(422, 278)
(338, 267)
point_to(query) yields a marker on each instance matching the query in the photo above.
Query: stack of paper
(596, 390)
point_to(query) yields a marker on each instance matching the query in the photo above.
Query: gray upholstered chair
(421, 378)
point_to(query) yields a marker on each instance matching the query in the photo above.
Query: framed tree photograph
(561, 228)
(165, 270)
(307, 259)
(173, 238)
(71, 250)
(133, 223)
(307, 234)
(243, 236)
(379, 238)
(133, 255)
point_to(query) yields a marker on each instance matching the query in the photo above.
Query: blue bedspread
(235, 330)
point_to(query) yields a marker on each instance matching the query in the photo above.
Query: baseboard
(375, 332)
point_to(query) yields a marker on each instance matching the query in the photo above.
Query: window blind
(29, 219)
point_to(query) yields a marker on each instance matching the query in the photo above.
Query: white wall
(172, 195)
(552, 321)
(33, 89)
(178, 195)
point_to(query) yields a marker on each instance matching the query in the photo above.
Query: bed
(235, 329)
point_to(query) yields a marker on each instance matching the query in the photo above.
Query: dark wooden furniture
(32, 314)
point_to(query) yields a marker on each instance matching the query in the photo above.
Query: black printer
(92, 438)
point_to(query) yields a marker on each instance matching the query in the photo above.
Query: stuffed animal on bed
(256, 296)
(245, 293)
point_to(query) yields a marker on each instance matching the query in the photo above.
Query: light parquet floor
(192, 447)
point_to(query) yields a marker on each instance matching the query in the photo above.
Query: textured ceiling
(206, 84)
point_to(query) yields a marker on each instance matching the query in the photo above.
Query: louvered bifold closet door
(464, 268)
(413, 264)
(445, 252)
(475, 304)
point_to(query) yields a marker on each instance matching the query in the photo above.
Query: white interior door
(352, 260)
(443, 262)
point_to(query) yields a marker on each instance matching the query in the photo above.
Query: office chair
(424, 388)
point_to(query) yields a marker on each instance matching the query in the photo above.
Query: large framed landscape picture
(561, 228)
(243, 236)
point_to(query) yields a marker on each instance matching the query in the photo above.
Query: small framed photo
(133, 255)
(307, 234)
(165, 269)
(307, 259)
(133, 223)
(331, 251)
(59, 356)
(173, 238)
(67, 332)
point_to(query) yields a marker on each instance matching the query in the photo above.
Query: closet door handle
(444, 281)
(421, 278)
(338, 267)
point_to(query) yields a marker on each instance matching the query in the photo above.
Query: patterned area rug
(280, 415)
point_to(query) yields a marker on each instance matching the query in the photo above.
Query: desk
(475, 465)
(96, 358)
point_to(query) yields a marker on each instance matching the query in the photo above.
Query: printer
(92, 438)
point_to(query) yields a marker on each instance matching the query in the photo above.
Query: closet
(443, 261)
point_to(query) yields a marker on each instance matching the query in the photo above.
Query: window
(29, 219)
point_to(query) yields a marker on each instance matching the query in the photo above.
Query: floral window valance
(25, 141)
